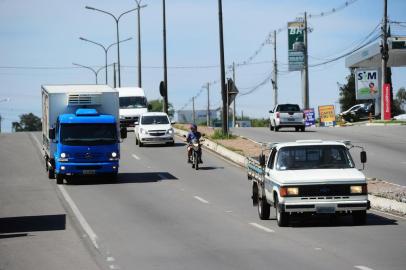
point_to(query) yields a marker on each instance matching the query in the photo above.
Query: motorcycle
(196, 153)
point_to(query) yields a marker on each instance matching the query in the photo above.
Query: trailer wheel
(59, 179)
(359, 217)
(282, 218)
(264, 209)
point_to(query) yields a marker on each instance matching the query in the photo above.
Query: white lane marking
(135, 156)
(317, 248)
(86, 227)
(261, 227)
(201, 199)
(110, 259)
(403, 162)
(114, 266)
(361, 267)
(228, 211)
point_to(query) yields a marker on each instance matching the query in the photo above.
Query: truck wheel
(59, 179)
(254, 195)
(302, 129)
(276, 129)
(270, 127)
(282, 218)
(359, 217)
(296, 129)
(264, 209)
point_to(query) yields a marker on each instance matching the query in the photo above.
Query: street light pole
(139, 41)
(96, 72)
(106, 49)
(116, 19)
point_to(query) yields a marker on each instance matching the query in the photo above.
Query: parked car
(154, 128)
(401, 117)
(359, 112)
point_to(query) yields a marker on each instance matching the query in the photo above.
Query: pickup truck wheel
(270, 127)
(140, 144)
(281, 218)
(59, 179)
(276, 129)
(296, 129)
(302, 129)
(136, 141)
(359, 217)
(264, 209)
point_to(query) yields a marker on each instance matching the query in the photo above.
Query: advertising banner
(386, 102)
(296, 47)
(367, 84)
(327, 115)
(310, 117)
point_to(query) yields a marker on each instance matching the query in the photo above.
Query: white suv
(154, 128)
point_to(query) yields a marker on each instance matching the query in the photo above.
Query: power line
(332, 11)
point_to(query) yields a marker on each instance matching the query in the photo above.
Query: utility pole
(305, 71)
(193, 110)
(222, 71)
(235, 98)
(208, 104)
(165, 64)
(275, 72)
(384, 54)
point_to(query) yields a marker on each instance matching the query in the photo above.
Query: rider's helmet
(193, 127)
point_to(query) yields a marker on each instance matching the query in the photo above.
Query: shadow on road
(340, 221)
(18, 226)
(123, 178)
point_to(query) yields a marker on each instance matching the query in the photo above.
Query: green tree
(157, 105)
(28, 122)
(347, 93)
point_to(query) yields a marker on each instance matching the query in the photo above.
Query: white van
(133, 103)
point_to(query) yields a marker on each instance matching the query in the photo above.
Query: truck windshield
(314, 157)
(154, 120)
(88, 134)
(133, 102)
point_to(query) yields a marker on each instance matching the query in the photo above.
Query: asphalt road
(163, 215)
(385, 145)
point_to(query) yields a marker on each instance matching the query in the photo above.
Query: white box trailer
(66, 99)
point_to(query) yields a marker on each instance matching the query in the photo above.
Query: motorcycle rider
(191, 136)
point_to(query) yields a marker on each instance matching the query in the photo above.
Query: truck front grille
(325, 190)
(157, 132)
(88, 155)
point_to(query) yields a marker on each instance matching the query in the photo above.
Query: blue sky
(45, 33)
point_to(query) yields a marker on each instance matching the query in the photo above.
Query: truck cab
(133, 103)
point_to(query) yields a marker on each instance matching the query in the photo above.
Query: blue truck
(81, 131)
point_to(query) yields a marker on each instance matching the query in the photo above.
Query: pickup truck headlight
(358, 189)
(288, 191)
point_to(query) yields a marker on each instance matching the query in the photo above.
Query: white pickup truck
(286, 115)
(309, 177)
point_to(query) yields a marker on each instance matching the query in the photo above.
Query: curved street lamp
(96, 72)
(106, 49)
(116, 19)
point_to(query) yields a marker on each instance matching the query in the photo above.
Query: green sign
(296, 45)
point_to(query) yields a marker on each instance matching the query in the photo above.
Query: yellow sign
(327, 115)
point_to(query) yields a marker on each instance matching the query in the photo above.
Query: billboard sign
(386, 102)
(310, 119)
(296, 49)
(327, 115)
(367, 84)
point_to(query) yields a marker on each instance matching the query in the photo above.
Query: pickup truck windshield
(133, 102)
(154, 120)
(88, 134)
(288, 108)
(314, 157)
